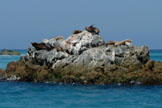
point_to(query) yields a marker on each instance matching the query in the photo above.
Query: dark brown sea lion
(92, 29)
(41, 46)
(77, 31)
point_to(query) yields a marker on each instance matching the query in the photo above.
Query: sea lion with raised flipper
(77, 31)
(92, 29)
(41, 46)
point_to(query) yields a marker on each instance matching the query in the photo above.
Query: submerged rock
(9, 52)
(85, 58)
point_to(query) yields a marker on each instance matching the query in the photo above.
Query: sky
(26, 21)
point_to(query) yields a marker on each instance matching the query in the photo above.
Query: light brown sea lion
(59, 49)
(116, 43)
(77, 31)
(92, 29)
(59, 38)
(41, 46)
(123, 42)
(111, 43)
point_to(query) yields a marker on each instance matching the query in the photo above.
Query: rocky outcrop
(9, 52)
(87, 50)
(75, 45)
(85, 58)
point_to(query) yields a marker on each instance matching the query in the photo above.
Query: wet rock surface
(85, 58)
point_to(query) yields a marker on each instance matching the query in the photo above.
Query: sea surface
(51, 95)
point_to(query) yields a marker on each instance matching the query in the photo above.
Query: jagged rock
(9, 52)
(77, 43)
(55, 42)
(99, 56)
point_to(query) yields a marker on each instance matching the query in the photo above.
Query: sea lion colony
(91, 29)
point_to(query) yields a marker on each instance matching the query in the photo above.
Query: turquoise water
(42, 95)
(5, 59)
(32, 95)
(156, 55)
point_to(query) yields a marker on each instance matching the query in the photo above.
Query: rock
(2, 71)
(77, 43)
(13, 78)
(44, 57)
(151, 74)
(2, 74)
(85, 58)
(20, 71)
(9, 52)
(102, 58)
(55, 42)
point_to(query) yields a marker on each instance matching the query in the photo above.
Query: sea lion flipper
(92, 25)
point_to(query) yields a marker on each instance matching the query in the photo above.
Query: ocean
(51, 95)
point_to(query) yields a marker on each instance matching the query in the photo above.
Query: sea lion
(59, 38)
(111, 43)
(41, 46)
(116, 43)
(123, 42)
(77, 31)
(92, 29)
(59, 49)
